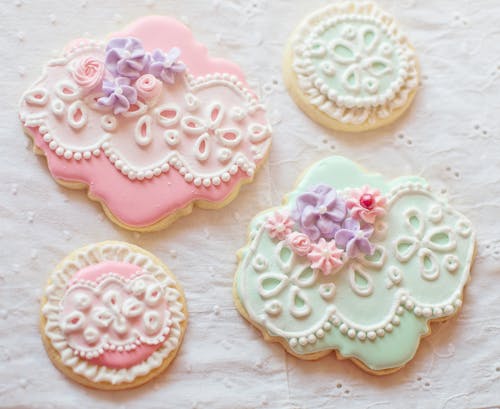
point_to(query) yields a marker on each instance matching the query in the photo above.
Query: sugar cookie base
(56, 358)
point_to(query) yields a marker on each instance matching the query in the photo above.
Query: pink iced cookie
(148, 122)
(113, 316)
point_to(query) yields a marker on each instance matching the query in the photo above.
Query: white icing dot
(361, 335)
(303, 341)
(351, 333)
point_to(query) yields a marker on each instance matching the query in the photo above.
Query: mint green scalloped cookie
(355, 264)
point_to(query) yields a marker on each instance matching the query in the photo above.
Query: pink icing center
(115, 359)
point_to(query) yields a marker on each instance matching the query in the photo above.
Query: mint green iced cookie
(356, 264)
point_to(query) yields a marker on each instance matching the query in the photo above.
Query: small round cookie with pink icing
(113, 316)
(148, 123)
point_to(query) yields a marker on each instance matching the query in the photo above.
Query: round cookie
(349, 67)
(113, 316)
(148, 123)
(355, 264)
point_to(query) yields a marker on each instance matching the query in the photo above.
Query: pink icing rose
(325, 256)
(148, 87)
(279, 225)
(88, 73)
(300, 243)
(366, 204)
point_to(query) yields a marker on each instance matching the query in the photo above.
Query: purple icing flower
(320, 212)
(119, 94)
(164, 66)
(354, 239)
(125, 57)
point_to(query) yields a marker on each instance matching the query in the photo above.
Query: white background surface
(450, 136)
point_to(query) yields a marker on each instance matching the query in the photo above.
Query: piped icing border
(60, 283)
(356, 99)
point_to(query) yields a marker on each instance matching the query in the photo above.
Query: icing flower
(320, 212)
(125, 57)
(119, 94)
(279, 225)
(164, 66)
(366, 204)
(299, 243)
(354, 239)
(88, 73)
(148, 87)
(325, 256)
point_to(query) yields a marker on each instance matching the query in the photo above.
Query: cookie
(148, 123)
(349, 67)
(356, 264)
(113, 316)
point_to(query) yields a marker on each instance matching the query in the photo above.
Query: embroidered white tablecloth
(450, 136)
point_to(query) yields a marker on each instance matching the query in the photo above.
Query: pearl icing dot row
(405, 304)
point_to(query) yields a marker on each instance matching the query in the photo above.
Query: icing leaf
(368, 38)
(361, 282)
(342, 51)
(415, 222)
(405, 248)
(379, 66)
(271, 284)
(132, 307)
(429, 267)
(305, 277)
(152, 322)
(77, 115)
(153, 295)
(317, 49)
(143, 134)
(101, 317)
(376, 260)
(67, 90)
(299, 304)
(72, 322)
(216, 115)
(351, 78)
(37, 96)
(137, 109)
(258, 132)
(202, 147)
(284, 257)
(440, 239)
(192, 126)
(230, 137)
(167, 115)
